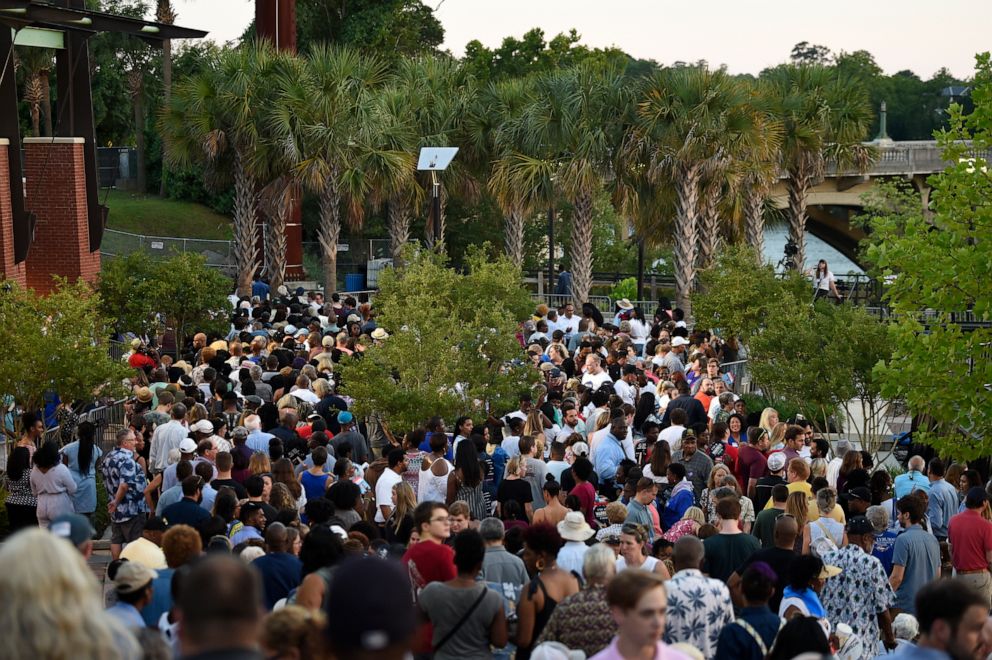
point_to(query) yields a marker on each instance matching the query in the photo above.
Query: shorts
(128, 530)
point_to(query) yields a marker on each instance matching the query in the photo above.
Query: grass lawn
(153, 216)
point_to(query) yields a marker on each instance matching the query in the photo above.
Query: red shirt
(970, 537)
(751, 464)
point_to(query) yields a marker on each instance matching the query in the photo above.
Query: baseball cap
(860, 525)
(202, 426)
(366, 615)
(72, 526)
(132, 576)
(680, 341)
(776, 462)
(860, 493)
(188, 446)
(580, 449)
(975, 497)
(345, 417)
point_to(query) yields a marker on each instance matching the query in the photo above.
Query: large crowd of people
(630, 506)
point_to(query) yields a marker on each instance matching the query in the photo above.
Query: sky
(747, 36)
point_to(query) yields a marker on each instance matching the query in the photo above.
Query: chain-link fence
(218, 254)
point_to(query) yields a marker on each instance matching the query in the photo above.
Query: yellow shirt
(804, 487)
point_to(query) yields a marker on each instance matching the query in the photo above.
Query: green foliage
(939, 260)
(625, 288)
(814, 357)
(452, 349)
(737, 289)
(189, 295)
(55, 343)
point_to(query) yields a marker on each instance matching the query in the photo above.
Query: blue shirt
(259, 441)
(918, 552)
(246, 533)
(943, 505)
(884, 545)
(607, 457)
(735, 643)
(120, 467)
(127, 614)
(281, 573)
(907, 483)
(168, 498)
(184, 512)
(260, 289)
(161, 601)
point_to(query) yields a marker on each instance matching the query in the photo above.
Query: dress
(54, 490)
(22, 505)
(84, 501)
(541, 617)
(582, 622)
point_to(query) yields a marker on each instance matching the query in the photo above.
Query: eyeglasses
(446, 519)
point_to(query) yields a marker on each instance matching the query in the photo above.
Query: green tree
(189, 295)
(463, 360)
(55, 343)
(937, 265)
(126, 293)
(806, 53)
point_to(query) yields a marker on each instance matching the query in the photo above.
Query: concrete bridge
(839, 196)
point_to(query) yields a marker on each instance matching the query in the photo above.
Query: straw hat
(574, 527)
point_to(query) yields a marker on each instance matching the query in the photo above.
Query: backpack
(821, 546)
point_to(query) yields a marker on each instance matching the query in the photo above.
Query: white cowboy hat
(625, 304)
(574, 527)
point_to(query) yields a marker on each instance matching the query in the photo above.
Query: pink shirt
(662, 652)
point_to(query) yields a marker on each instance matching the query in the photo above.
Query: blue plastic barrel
(354, 282)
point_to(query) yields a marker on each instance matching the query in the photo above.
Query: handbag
(461, 622)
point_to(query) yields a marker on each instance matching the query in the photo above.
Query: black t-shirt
(780, 561)
(231, 483)
(515, 489)
(568, 366)
(763, 490)
(568, 481)
(724, 553)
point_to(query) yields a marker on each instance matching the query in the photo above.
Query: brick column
(8, 269)
(55, 173)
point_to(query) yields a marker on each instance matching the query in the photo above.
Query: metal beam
(23, 228)
(76, 17)
(34, 37)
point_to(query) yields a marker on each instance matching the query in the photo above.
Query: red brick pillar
(8, 269)
(55, 173)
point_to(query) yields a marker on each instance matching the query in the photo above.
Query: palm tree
(324, 122)
(497, 107)
(825, 116)
(36, 67)
(216, 119)
(681, 123)
(440, 93)
(568, 136)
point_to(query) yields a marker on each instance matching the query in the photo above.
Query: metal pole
(551, 249)
(640, 268)
(436, 220)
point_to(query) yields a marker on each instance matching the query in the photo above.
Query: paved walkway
(98, 563)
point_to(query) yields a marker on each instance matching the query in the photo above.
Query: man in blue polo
(912, 480)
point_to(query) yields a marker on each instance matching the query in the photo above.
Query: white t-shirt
(823, 283)
(673, 436)
(596, 380)
(626, 391)
(511, 446)
(384, 492)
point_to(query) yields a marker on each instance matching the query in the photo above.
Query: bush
(626, 288)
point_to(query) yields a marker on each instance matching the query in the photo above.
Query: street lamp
(434, 160)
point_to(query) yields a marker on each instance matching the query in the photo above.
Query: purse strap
(461, 622)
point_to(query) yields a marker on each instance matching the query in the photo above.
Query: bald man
(281, 571)
(912, 480)
(698, 606)
(779, 557)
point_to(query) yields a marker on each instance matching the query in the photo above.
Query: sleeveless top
(540, 618)
(433, 488)
(648, 565)
(478, 502)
